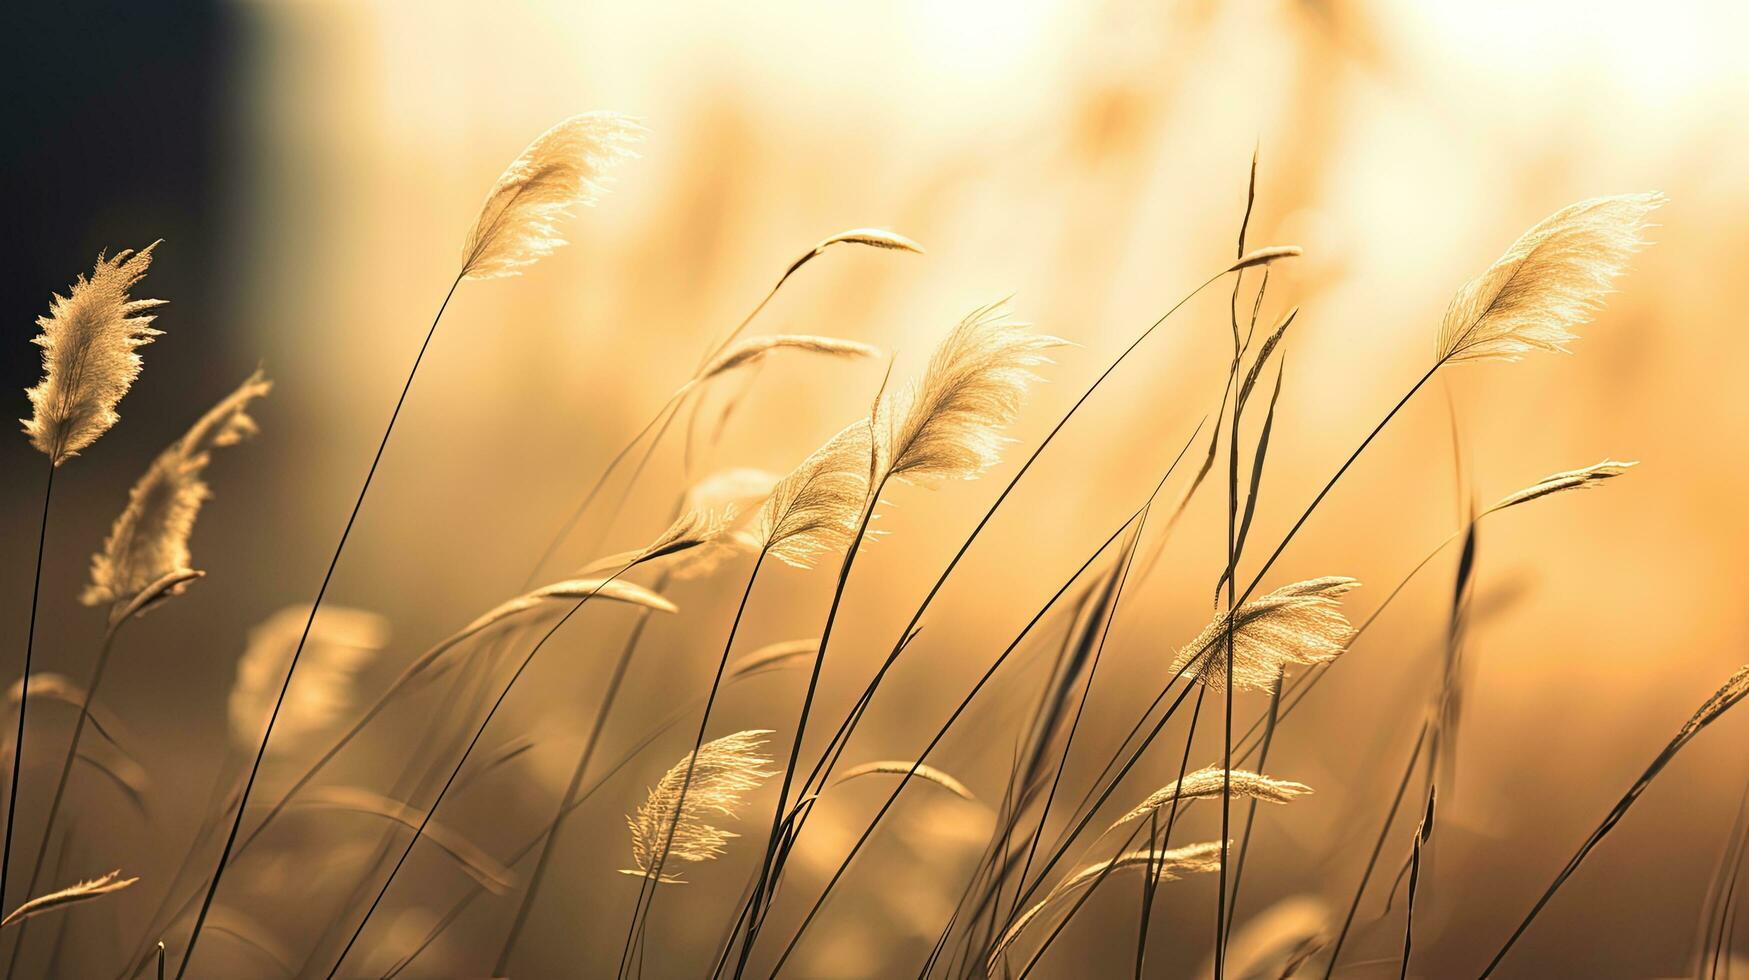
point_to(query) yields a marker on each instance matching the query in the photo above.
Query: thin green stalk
(24, 696)
(297, 653)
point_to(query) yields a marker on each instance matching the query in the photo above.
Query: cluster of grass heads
(1047, 852)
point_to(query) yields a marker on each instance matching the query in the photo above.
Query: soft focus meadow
(755, 358)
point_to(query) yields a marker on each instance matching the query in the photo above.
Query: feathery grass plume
(90, 341)
(736, 492)
(1168, 865)
(774, 656)
(1276, 942)
(726, 770)
(1554, 278)
(1579, 479)
(915, 770)
(1205, 784)
(150, 539)
(948, 425)
(814, 510)
(84, 891)
(479, 865)
(341, 643)
(741, 488)
(1300, 623)
(755, 348)
(563, 168)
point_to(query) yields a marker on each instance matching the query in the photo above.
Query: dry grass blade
(754, 348)
(106, 756)
(1724, 699)
(1579, 479)
(565, 167)
(774, 656)
(1205, 784)
(1169, 865)
(90, 342)
(1298, 624)
(814, 510)
(948, 425)
(59, 687)
(84, 891)
(253, 934)
(149, 541)
(1554, 278)
(894, 767)
(341, 643)
(725, 771)
(476, 862)
(872, 237)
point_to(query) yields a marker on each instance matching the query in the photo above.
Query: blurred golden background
(313, 167)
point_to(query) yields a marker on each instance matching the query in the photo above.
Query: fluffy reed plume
(752, 349)
(727, 769)
(773, 657)
(341, 643)
(948, 425)
(1554, 278)
(90, 341)
(1579, 479)
(814, 510)
(479, 865)
(1167, 865)
(896, 767)
(150, 539)
(563, 168)
(1300, 623)
(1275, 943)
(1205, 784)
(84, 891)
